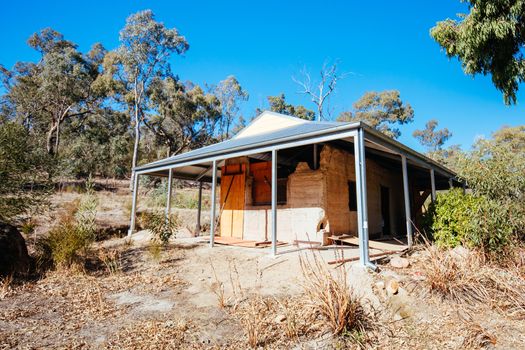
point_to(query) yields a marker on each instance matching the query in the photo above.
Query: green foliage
(493, 214)
(496, 167)
(99, 144)
(162, 229)
(230, 94)
(490, 39)
(23, 175)
(278, 104)
(141, 60)
(381, 110)
(71, 237)
(187, 118)
(474, 221)
(431, 138)
(46, 95)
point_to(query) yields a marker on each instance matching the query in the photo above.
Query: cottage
(286, 179)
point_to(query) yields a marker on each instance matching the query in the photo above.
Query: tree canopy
(187, 116)
(230, 94)
(431, 138)
(278, 104)
(44, 95)
(490, 39)
(142, 58)
(382, 111)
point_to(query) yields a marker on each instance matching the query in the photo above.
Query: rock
(399, 262)
(380, 285)
(392, 287)
(460, 253)
(13, 251)
(280, 318)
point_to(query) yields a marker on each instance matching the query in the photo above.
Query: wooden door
(232, 201)
(385, 209)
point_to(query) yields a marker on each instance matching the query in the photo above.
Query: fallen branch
(342, 261)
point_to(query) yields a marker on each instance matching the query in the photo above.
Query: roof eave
(254, 147)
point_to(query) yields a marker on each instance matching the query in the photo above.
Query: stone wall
(318, 199)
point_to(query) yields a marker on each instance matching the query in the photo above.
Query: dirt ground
(190, 296)
(170, 300)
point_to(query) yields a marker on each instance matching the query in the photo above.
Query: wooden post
(274, 202)
(406, 194)
(133, 204)
(168, 195)
(213, 204)
(199, 209)
(433, 184)
(361, 193)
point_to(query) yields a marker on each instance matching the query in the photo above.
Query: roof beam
(425, 162)
(261, 149)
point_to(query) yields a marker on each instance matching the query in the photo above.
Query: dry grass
(253, 320)
(477, 337)
(153, 335)
(217, 288)
(472, 281)
(155, 249)
(5, 286)
(331, 296)
(62, 303)
(237, 294)
(276, 322)
(111, 258)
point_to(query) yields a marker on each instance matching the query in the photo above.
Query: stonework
(318, 201)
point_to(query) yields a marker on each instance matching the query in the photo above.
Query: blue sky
(384, 44)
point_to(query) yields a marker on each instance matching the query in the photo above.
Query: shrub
(473, 220)
(73, 234)
(161, 229)
(66, 241)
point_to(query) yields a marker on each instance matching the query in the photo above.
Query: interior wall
(339, 168)
(319, 199)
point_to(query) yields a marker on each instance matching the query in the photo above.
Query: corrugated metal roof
(304, 130)
(246, 142)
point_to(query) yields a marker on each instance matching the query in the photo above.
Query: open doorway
(385, 210)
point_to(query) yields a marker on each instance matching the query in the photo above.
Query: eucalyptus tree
(187, 117)
(142, 57)
(489, 39)
(43, 95)
(320, 91)
(278, 104)
(382, 111)
(431, 138)
(230, 94)
(22, 166)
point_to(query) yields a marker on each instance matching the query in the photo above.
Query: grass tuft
(331, 296)
(473, 281)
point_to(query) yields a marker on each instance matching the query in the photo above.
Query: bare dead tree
(320, 92)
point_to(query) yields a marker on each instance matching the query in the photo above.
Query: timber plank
(372, 244)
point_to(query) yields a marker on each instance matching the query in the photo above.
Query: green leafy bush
(24, 172)
(492, 215)
(71, 237)
(472, 220)
(161, 229)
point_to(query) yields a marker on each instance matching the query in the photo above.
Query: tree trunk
(135, 147)
(57, 140)
(49, 139)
